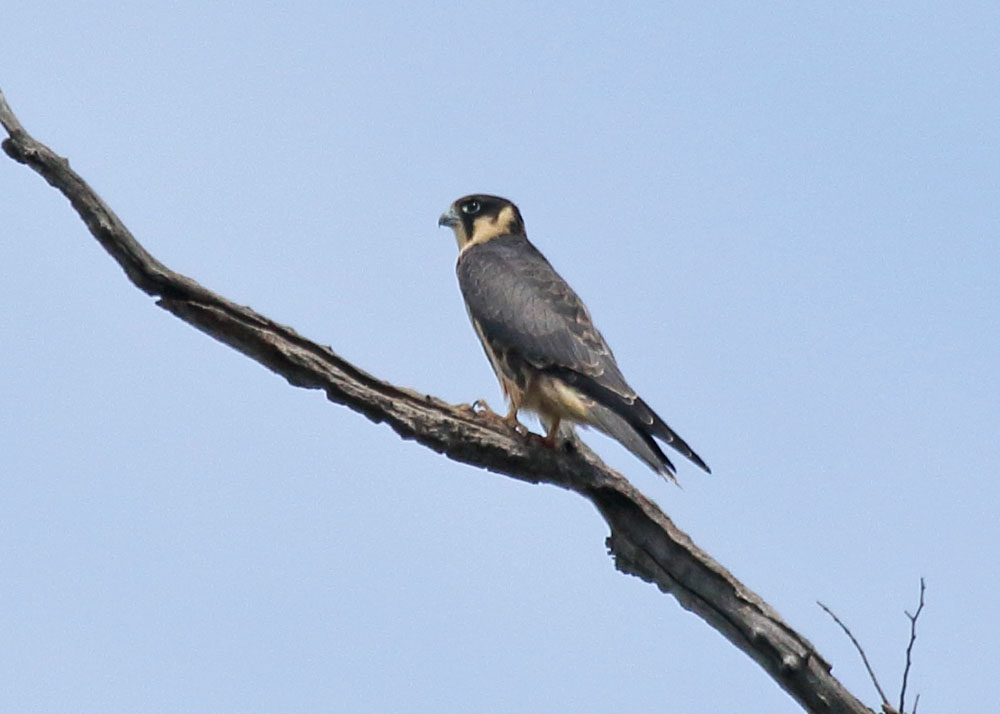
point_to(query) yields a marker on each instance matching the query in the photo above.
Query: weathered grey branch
(643, 540)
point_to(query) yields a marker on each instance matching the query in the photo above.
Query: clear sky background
(784, 218)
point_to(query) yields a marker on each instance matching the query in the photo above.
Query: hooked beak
(449, 218)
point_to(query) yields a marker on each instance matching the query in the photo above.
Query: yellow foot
(517, 426)
(551, 439)
(481, 407)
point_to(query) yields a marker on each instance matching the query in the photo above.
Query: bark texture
(644, 541)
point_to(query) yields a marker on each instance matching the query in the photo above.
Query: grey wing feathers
(520, 301)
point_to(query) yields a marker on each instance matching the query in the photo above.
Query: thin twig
(861, 651)
(909, 649)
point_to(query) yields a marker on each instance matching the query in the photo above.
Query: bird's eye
(471, 208)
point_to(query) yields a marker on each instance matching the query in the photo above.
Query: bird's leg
(552, 433)
(511, 418)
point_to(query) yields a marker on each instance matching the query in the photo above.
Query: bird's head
(480, 217)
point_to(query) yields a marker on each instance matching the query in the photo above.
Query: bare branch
(643, 540)
(909, 651)
(864, 658)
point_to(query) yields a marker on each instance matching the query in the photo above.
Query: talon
(513, 423)
(542, 440)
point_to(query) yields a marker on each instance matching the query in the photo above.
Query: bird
(539, 337)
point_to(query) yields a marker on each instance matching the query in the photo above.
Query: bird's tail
(638, 442)
(660, 430)
(640, 422)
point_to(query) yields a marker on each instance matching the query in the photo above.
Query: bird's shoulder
(508, 274)
(511, 251)
(519, 300)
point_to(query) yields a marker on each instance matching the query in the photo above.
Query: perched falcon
(546, 352)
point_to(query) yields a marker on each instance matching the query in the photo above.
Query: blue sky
(784, 218)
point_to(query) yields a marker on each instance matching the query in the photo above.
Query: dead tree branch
(643, 540)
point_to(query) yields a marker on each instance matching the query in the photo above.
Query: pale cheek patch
(486, 227)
